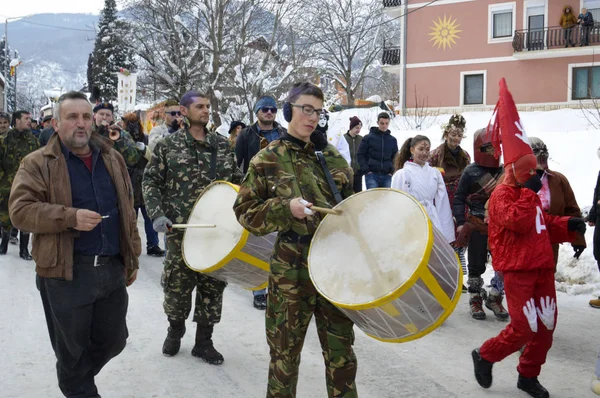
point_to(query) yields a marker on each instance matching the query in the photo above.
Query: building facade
(455, 52)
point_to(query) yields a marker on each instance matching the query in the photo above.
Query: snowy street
(436, 366)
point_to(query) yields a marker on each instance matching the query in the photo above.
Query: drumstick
(184, 226)
(326, 211)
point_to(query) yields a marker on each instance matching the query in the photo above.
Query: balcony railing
(391, 55)
(392, 3)
(554, 37)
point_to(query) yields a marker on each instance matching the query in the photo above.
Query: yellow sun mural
(444, 32)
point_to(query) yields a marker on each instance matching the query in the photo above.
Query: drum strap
(213, 164)
(336, 192)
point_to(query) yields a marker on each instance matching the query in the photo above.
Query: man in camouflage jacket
(283, 181)
(178, 172)
(14, 146)
(125, 145)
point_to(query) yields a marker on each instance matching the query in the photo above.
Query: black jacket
(248, 144)
(45, 135)
(377, 151)
(594, 213)
(474, 189)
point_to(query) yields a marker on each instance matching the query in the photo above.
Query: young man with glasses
(251, 140)
(172, 123)
(282, 183)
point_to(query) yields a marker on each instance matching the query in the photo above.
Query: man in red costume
(521, 237)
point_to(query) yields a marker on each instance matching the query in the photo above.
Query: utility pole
(15, 103)
(7, 60)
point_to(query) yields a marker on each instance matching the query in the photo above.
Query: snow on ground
(438, 365)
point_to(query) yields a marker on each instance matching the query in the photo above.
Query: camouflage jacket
(180, 170)
(286, 169)
(14, 146)
(125, 146)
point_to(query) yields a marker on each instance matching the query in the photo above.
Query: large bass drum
(385, 266)
(227, 252)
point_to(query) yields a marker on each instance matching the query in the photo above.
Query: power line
(56, 27)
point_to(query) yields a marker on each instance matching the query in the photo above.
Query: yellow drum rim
(394, 294)
(447, 312)
(241, 243)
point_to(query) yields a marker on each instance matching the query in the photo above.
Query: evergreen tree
(110, 52)
(4, 68)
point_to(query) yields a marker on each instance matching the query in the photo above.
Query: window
(586, 83)
(473, 91)
(501, 22)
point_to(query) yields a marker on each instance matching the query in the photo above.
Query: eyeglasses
(174, 113)
(268, 109)
(309, 110)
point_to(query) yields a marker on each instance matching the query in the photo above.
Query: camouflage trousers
(291, 303)
(178, 282)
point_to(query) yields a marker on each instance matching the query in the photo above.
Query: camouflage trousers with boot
(291, 303)
(179, 281)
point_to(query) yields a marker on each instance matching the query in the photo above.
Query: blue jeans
(151, 234)
(259, 292)
(378, 180)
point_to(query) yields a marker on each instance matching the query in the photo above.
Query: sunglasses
(268, 109)
(174, 113)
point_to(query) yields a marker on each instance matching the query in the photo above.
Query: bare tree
(345, 34)
(229, 49)
(421, 117)
(267, 56)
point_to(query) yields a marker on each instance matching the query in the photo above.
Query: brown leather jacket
(40, 202)
(562, 203)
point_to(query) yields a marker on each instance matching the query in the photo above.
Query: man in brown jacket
(556, 194)
(75, 195)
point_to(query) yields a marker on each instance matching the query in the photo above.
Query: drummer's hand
(162, 224)
(300, 208)
(458, 229)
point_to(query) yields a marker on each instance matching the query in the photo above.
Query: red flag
(506, 128)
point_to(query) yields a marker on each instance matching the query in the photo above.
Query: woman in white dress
(425, 183)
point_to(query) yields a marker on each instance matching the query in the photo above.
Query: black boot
(532, 387)
(172, 343)
(204, 346)
(155, 251)
(23, 247)
(260, 302)
(483, 370)
(14, 236)
(5, 240)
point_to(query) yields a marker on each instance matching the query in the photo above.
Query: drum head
(371, 250)
(204, 248)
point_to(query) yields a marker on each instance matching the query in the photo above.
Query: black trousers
(86, 323)
(597, 244)
(477, 254)
(357, 186)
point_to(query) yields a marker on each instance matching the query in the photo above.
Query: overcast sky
(13, 8)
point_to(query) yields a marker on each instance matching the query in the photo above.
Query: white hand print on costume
(523, 136)
(547, 312)
(530, 313)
